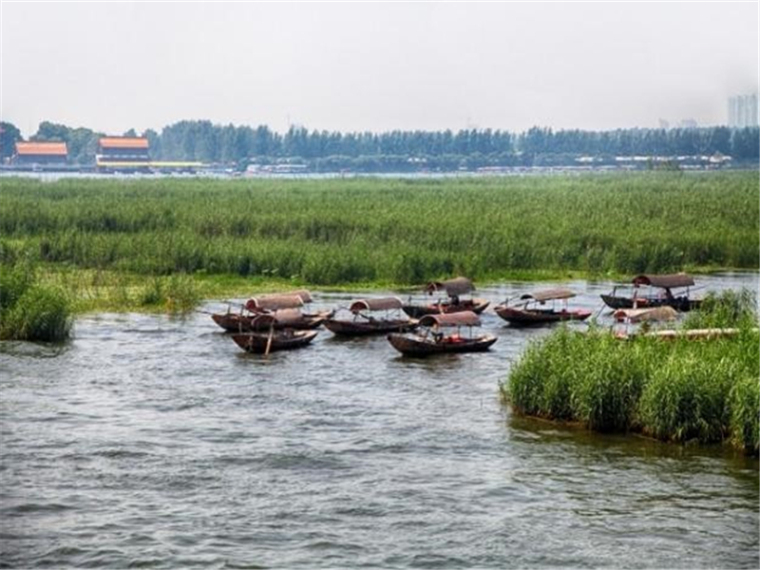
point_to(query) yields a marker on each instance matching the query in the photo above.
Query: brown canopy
(462, 318)
(456, 286)
(664, 281)
(287, 316)
(274, 302)
(303, 293)
(381, 304)
(548, 294)
(664, 313)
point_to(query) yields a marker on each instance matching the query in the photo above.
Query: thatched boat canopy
(664, 281)
(287, 316)
(303, 293)
(452, 287)
(274, 302)
(462, 318)
(381, 304)
(548, 295)
(664, 313)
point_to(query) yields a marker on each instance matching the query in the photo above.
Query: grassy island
(682, 390)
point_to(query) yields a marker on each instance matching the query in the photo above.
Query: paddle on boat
(266, 338)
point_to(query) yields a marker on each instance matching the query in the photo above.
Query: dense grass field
(680, 391)
(386, 231)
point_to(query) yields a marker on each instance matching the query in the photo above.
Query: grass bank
(676, 391)
(379, 231)
(31, 310)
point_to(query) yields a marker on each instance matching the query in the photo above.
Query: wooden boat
(272, 340)
(530, 308)
(453, 288)
(664, 313)
(633, 322)
(285, 307)
(662, 297)
(433, 341)
(365, 324)
(285, 318)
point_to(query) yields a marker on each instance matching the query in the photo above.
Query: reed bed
(329, 232)
(30, 310)
(672, 390)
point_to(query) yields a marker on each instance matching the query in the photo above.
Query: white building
(742, 111)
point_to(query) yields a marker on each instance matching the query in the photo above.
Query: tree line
(397, 150)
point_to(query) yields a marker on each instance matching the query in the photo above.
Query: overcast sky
(375, 66)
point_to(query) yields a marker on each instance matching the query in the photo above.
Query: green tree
(9, 136)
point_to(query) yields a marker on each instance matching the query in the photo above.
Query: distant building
(742, 111)
(31, 153)
(122, 152)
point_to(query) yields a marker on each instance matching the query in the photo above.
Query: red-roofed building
(41, 153)
(121, 150)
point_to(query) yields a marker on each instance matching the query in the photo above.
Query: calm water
(148, 441)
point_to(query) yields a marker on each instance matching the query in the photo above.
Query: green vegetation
(328, 232)
(408, 151)
(30, 310)
(676, 391)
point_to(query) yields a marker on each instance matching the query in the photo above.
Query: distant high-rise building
(742, 111)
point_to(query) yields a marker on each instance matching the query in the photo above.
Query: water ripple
(154, 442)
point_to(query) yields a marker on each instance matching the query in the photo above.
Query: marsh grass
(337, 232)
(30, 310)
(676, 391)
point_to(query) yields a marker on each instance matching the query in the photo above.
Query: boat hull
(365, 328)
(477, 306)
(683, 304)
(419, 346)
(528, 317)
(261, 342)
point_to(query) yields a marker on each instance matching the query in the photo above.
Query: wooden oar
(269, 340)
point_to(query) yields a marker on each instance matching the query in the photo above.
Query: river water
(150, 441)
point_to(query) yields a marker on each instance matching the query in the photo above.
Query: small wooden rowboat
(273, 340)
(285, 318)
(263, 343)
(433, 341)
(454, 288)
(659, 293)
(365, 324)
(285, 307)
(530, 308)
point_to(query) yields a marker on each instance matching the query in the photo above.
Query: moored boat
(531, 309)
(286, 318)
(659, 293)
(363, 323)
(285, 307)
(261, 342)
(434, 341)
(454, 289)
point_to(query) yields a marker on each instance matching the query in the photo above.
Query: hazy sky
(375, 66)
